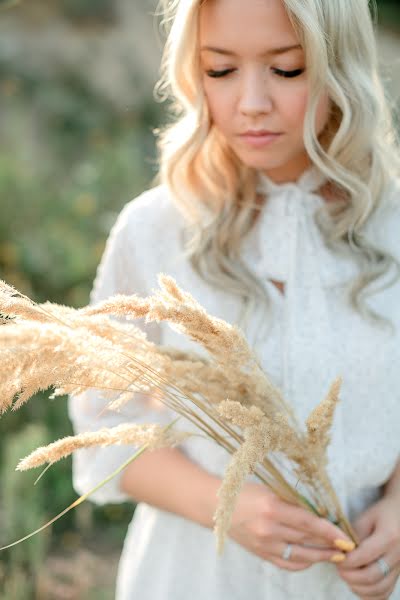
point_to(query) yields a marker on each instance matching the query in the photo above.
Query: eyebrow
(272, 51)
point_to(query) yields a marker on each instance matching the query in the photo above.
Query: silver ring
(384, 567)
(287, 552)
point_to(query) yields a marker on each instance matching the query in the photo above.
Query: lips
(259, 139)
(260, 132)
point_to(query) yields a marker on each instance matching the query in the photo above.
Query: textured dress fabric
(315, 336)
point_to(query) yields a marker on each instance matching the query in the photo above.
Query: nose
(255, 97)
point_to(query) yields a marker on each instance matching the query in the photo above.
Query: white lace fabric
(316, 336)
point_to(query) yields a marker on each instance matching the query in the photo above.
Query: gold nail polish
(337, 558)
(344, 545)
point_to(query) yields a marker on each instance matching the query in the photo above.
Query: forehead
(245, 24)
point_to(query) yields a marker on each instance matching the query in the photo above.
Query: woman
(277, 206)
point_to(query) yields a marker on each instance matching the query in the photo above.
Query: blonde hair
(358, 151)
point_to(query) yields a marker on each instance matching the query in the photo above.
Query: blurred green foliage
(23, 560)
(389, 13)
(89, 10)
(68, 163)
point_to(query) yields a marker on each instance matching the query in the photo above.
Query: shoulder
(151, 211)
(147, 237)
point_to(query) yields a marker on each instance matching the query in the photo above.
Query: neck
(289, 173)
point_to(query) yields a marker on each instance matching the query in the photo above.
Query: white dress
(315, 336)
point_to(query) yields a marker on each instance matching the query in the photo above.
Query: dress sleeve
(118, 272)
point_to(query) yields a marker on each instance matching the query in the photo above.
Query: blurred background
(76, 144)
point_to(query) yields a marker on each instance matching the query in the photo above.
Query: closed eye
(294, 73)
(217, 74)
(280, 72)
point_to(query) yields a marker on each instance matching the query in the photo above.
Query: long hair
(358, 151)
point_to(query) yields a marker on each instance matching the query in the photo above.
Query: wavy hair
(358, 151)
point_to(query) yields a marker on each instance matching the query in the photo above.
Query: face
(249, 85)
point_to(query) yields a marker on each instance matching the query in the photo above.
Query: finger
(317, 543)
(364, 525)
(370, 574)
(288, 565)
(295, 536)
(364, 576)
(301, 554)
(385, 596)
(383, 588)
(299, 518)
(367, 552)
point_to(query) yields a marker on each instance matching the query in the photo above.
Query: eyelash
(286, 74)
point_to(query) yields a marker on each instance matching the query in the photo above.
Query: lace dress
(315, 336)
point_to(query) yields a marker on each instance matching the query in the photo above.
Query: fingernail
(344, 545)
(337, 558)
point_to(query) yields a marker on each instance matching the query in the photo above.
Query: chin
(269, 160)
(261, 161)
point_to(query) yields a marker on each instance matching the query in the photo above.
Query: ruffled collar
(282, 198)
(310, 180)
(286, 243)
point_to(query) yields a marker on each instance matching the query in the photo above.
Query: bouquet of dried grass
(227, 396)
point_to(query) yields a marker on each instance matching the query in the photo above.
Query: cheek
(220, 104)
(293, 105)
(294, 108)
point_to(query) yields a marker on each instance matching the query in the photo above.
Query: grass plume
(224, 393)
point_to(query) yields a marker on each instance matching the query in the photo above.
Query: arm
(392, 486)
(119, 272)
(169, 480)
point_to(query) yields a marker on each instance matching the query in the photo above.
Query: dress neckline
(293, 197)
(309, 181)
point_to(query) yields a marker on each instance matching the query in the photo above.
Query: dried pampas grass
(153, 436)
(226, 395)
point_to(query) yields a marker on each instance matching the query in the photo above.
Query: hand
(379, 531)
(264, 524)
